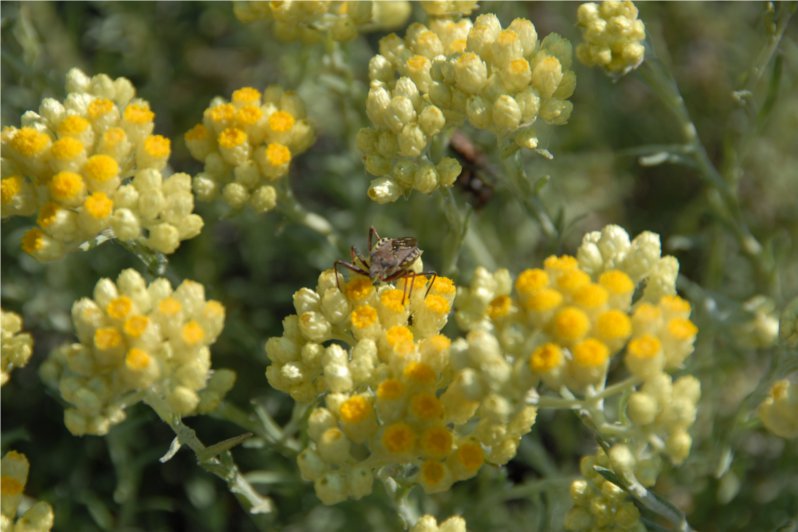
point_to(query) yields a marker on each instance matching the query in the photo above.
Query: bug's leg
(349, 266)
(372, 235)
(430, 283)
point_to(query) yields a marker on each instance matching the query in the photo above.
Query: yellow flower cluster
(70, 164)
(779, 411)
(313, 21)
(598, 504)
(39, 517)
(448, 8)
(612, 35)
(138, 342)
(16, 345)
(248, 143)
(428, 523)
(440, 75)
(392, 395)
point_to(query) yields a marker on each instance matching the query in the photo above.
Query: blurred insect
(475, 168)
(389, 259)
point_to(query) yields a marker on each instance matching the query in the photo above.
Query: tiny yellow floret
(99, 206)
(562, 263)
(471, 456)
(232, 137)
(119, 307)
(246, 95)
(420, 373)
(613, 325)
(590, 353)
(33, 241)
(29, 142)
(543, 300)
(47, 214)
(443, 286)
(426, 406)
(277, 154)
(107, 338)
(399, 438)
(616, 282)
(169, 306)
(436, 304)
(590, 296)
(101, 168)
(363, 316)
(281, 121)
(682, 328)
(10, 486)
(137, 113)
(644, 346)
(65, 186)
(570, 324)
(417, 63)
(436, 441)
(66, 149)
(675, 304)
(99, 107)
(10, 187)
(72, 125)
(358, 289)
(192, 333)
(399, 335)
(248, 115)
(390, 389)
(531, 280)
(157, 146)
(519, 66)
(507, 37)
(499, 307)
(432, 472)
(392, 299)
(545, 358)
(198, 132)
(222, 113)
(137, 359)
(356, 409)
(136, 325)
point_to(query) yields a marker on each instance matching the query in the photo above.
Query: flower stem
(297, 213)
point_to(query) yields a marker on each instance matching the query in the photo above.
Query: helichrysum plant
(542, 369)
(92, 164)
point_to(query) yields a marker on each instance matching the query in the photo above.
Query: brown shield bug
(389, 259)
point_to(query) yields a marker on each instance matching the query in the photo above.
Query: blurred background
(180, 55)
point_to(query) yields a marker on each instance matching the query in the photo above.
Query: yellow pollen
(10, 486)
(590, 353)
(232, 137)
(436, 304)
(136, 325)
(332, 435)
(114, 136)
(436, 442)
(417, 63)
(647, 313)
(198, 132)
(591, 296)
(467, 58)
(613, 325)
(29, 142)
(248, 115)
(277, 154)
(47, 215)
(519, 66)
(281, 121)
(119, 307)
(107, 338)
(101, 168)
(358, 289)
(572, 280)
(420, 373)
(397, 335)
(682, 328)
(355, 409)
(471, 456)
(72, 125)
(33, 241)
(99, 107)
(426, 406)
(392, 299)
(213, 309)
(10, 187)
(66, 149)
(246, 95)
(169, 306)
(137, 359)
(137, 113)
(399, 438)
(390, 389)
(443, 286)
(507, 37)
(66, 185)
(457, 46)
(438, 343)
(543, 300)
(99, 206)
(675, 304)
(499, 307)
(616, 282)
(157, 146)
(192, 333)
(427, 38)
(363, 316)
(545, 358)
(645, 346)
(432, 472)
(222, 113)
(562, 263)
(531, 280)
(570, 324)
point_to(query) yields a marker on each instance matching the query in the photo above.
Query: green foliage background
(180, 55)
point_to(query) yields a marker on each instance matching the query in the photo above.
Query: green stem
(521, 185)
(295, 212)
(265, 428)
(565, 403)
(458, 222)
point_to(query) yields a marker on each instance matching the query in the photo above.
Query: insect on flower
(388, 259)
